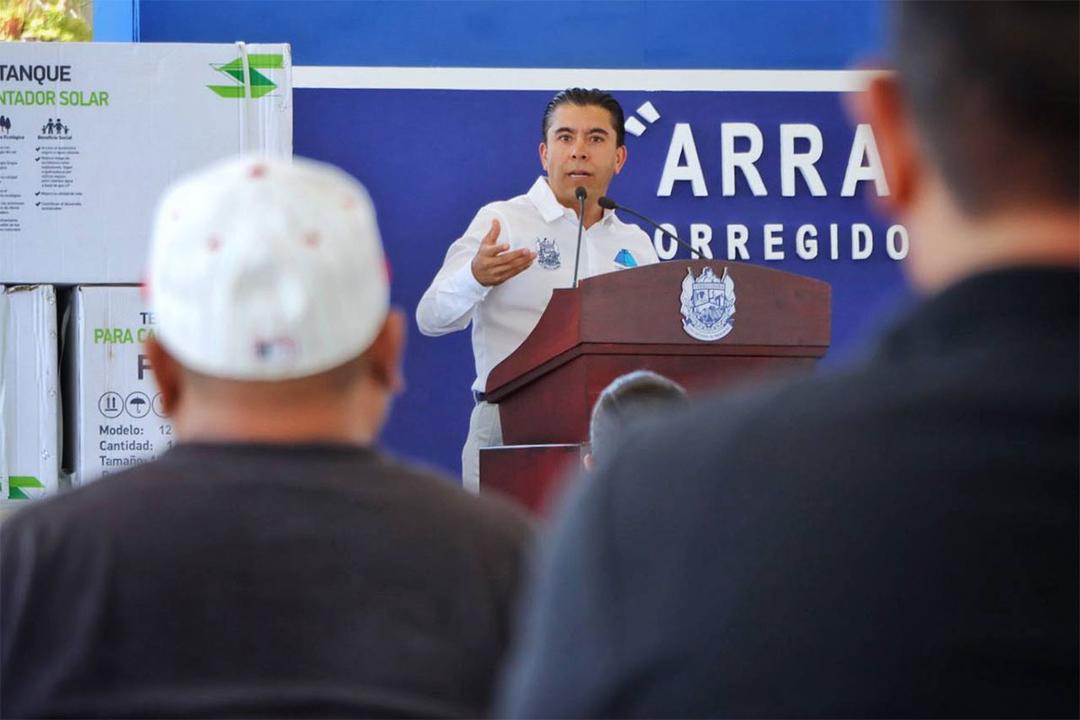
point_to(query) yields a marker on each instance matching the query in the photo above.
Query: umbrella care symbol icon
(138, 404)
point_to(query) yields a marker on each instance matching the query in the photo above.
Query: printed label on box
(119, 419)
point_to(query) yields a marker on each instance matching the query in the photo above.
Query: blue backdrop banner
(779, 178)
(533, 33)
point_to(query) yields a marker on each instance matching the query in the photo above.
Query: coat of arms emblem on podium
(708, 303)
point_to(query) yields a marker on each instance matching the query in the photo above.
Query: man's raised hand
(494, 262)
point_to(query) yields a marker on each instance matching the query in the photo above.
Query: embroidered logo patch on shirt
(626, 259)
(547, 254)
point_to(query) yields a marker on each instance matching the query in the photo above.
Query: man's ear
(885, 108)
(543, 156)
(167, 374)
(384, 354)
(587, 461)
(620, 158)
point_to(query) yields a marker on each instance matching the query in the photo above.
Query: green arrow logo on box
(260, 84)
(18, 483)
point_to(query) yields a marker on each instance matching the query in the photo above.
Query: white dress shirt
(502, 316)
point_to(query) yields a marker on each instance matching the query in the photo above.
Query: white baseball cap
(264, 269)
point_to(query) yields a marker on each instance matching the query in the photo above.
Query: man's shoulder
(730, 467)
(87, 511)
(113, 505)
(496, 519)
(108, 488)
(517, 207)
(245, 469)
(874, 417)
(759, 429)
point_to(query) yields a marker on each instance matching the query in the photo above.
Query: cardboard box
(29, 394)
(114, 415)
(94, 132)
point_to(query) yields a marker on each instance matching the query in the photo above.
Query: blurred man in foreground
(898, 539)
(273, 564)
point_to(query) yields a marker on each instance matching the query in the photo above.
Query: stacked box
(86, 153)
(115, 417)
(29, 395)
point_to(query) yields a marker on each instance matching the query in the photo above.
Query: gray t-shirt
(262, 580)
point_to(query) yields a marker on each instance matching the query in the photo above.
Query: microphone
(609, 204)
(581, 195)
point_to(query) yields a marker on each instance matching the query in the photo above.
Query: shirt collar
(541, 196)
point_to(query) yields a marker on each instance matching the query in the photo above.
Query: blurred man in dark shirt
(274, 563)
(897, 539)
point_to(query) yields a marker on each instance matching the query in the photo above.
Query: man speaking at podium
(500, 274)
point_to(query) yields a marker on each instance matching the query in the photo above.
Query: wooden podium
(642, 319)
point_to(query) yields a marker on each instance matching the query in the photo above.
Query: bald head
(628, 399)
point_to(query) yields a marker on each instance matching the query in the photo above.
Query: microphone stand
(609, 204)
(580, 194)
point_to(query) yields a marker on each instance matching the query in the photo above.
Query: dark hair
(629, 397)
(582, 98)
(993, 91)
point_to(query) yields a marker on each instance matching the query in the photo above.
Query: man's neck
(953, 247)
(593, 214)
(311, 423)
